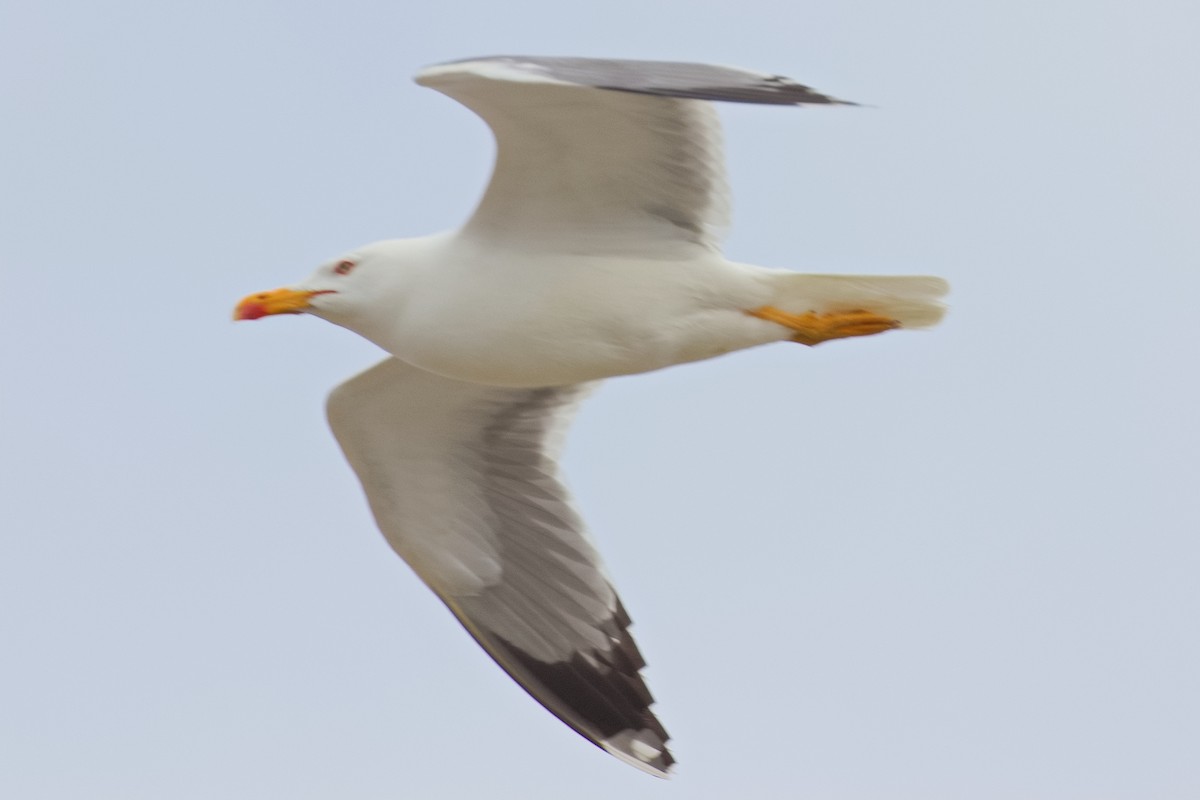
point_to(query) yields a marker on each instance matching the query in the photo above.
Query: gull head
(345, 290)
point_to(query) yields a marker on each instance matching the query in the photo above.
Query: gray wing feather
(463, 482)
(668, 79)
(605, 157)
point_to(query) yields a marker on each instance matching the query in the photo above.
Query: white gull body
(595, 252)
(507, 318)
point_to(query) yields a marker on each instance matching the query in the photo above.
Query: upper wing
(463, 483)
(601, 171)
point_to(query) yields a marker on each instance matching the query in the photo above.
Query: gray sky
(943, 565)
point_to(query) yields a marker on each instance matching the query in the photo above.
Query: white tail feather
(910, 299)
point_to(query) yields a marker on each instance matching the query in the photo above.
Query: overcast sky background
(954, 564)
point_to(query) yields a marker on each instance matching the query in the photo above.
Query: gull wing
(601, 156)
(463, 481)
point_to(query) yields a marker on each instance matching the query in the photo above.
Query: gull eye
(343, 267)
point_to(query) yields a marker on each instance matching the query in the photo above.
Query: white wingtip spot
(642, 749)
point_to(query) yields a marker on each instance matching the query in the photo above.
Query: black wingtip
(605, 700)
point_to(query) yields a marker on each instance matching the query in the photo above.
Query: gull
(595, 252)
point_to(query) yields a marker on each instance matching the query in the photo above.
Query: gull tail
(914, 301)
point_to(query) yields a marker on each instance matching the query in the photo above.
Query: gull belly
(558, 319)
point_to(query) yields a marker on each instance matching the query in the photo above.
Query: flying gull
(595, 252)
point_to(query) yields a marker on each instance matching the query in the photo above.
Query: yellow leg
(810, 328)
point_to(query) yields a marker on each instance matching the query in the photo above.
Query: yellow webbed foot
(811, 328)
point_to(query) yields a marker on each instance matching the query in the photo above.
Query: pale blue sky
(945, 565)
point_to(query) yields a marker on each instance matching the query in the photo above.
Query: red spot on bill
(250, 311)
